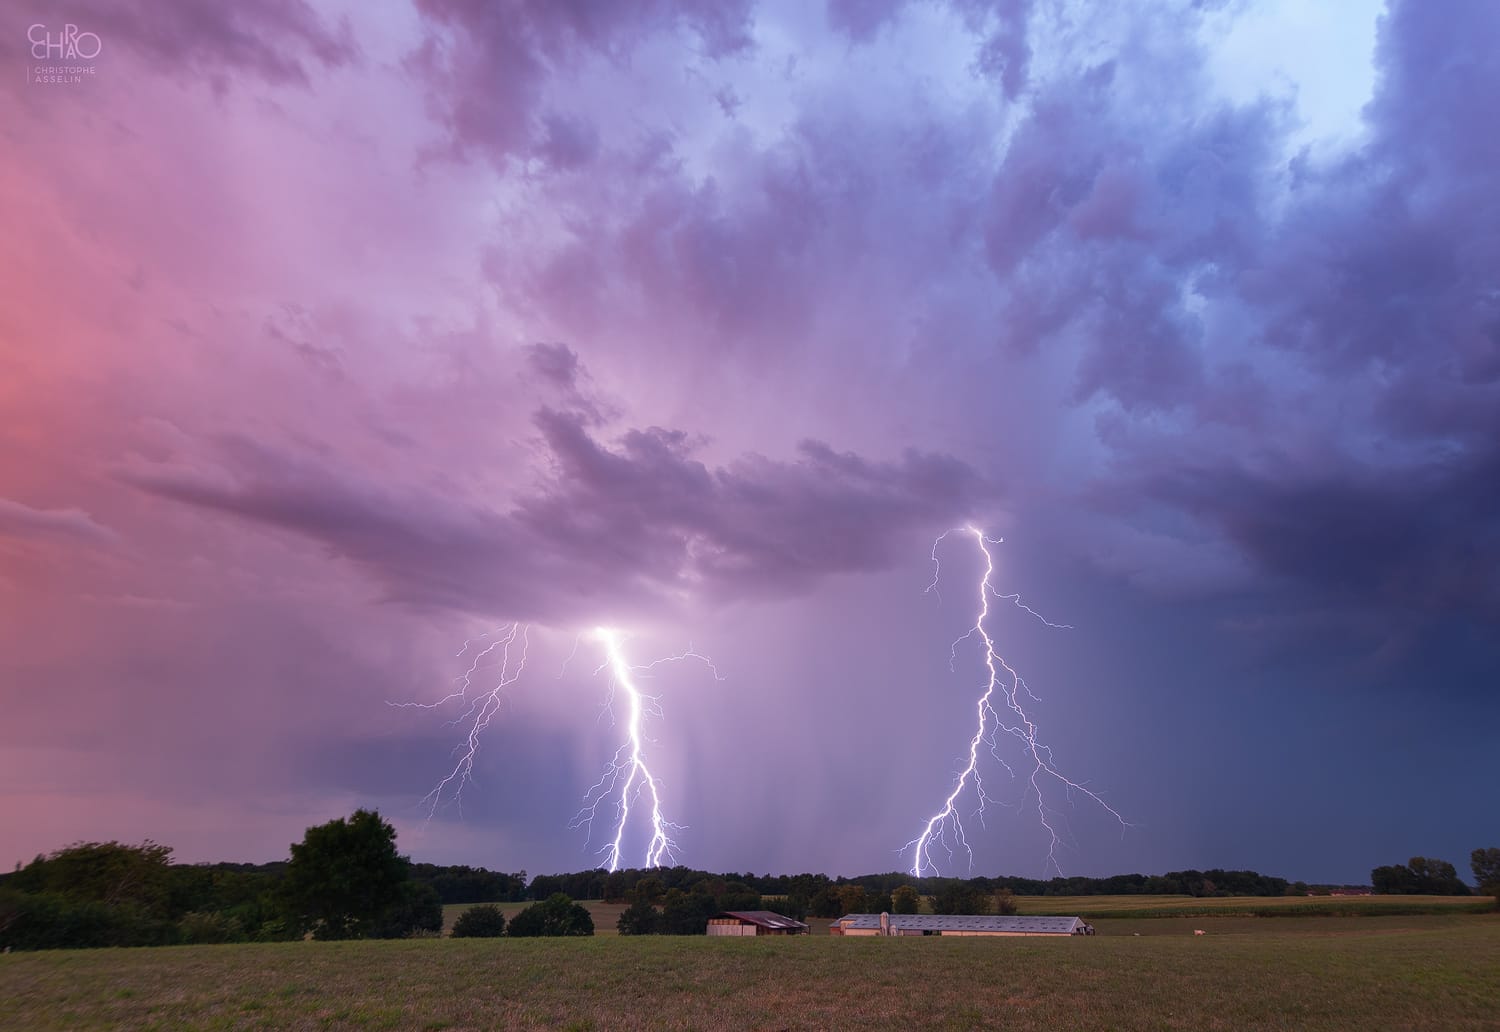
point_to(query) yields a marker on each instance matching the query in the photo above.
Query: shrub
(42, 921)
(555, 915)
(483, 922)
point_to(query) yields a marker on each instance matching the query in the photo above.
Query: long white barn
(957, 924)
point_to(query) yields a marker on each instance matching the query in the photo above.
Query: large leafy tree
(345, 878)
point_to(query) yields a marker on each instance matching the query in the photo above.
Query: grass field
(1400, 972)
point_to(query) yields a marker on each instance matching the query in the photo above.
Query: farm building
(754, 922)
(956, 924)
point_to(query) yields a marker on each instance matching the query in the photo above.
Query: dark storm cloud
(611, 530)
(1393, 255)
(1387, 272)
(1423, 542)
(1300, 354)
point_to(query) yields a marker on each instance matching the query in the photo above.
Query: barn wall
(731, 929)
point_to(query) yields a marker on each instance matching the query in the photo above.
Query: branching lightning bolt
(627, 778)
(945, 827)
(482, 707)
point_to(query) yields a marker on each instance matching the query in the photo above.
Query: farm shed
(956, 924)
(754, 922)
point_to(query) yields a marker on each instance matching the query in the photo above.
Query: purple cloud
(277, 41)
(486, 66)
(20, 520)
(610, 531)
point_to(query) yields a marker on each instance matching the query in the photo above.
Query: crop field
(1306, 973)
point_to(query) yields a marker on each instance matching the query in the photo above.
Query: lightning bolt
(627, 777)
(481, 709)
(945, 827)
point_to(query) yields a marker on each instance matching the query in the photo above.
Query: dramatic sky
(335, 334)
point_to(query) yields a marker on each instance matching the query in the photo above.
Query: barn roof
(764, 918)
(966, 923)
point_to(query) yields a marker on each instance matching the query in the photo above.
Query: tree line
(1427, 876)
(345, 879)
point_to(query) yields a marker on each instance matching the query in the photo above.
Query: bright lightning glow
(945, 827)
(627, 779)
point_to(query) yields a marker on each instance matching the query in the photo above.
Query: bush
(42, 921)
(417, 909)
(555, 915)
(483, 922)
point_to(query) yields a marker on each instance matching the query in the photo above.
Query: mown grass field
(1306, 973)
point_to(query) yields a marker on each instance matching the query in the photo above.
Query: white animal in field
(1199, 931)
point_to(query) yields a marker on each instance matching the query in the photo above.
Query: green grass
(1423, 972)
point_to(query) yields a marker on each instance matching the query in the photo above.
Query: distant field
(1251, 906)
(1098, 907)
(1421, 973)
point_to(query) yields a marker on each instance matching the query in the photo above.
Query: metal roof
(764, 918)
(965, 923)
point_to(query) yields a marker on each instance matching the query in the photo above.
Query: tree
(853, 899)
(648, 890)
(1420, 876)
(344, 876)
(1005, 903)
(417, 909)
(739, 896)
(961, 897)
(793, 906)
(1485, 863)
(1393, 880)
(103, 872)
(686, 913)
(826, 903)
(482, 922)
(555, 915)
(640, 918)
(905, 900)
